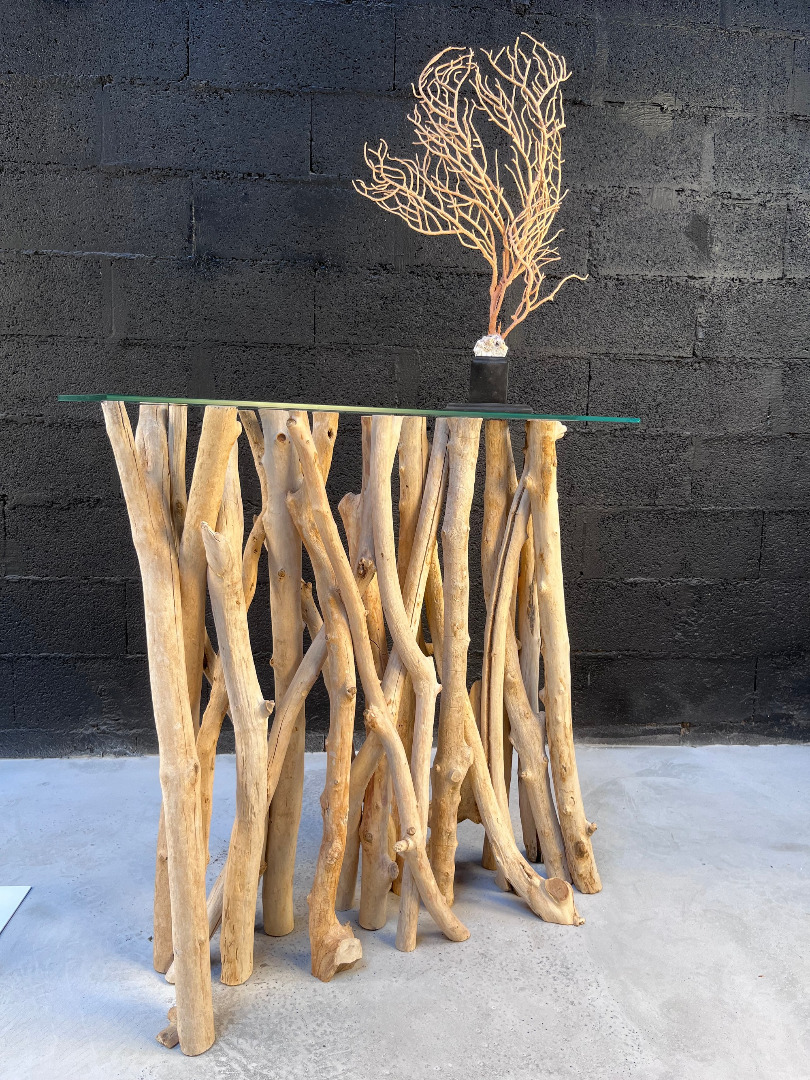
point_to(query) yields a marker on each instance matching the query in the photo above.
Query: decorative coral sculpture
(503, 206)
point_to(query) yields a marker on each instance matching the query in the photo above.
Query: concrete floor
(693, 963)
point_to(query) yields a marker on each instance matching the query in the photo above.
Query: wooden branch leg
(529, 829)
(375, 883)
(143, 466)
(394, 681)
(552, 899)
(506, 683)
(452, 754)
(283, 475)
(249, 712)
(419, 666)
(378, 713)
(219, 432)
(545, 820)
(542, 436)
(333, 945)
(413, 452)
(499, 487)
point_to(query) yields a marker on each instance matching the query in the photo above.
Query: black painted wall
(176, 216)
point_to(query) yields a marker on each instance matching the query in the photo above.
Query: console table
(371, 586)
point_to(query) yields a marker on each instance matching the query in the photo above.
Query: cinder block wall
(176, 215)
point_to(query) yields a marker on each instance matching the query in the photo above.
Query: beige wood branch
(506, 683)
(333, 945)
(499, 487)
(378, 714)
(413, 451)
(249, 712)
(419, 666)
(373, 837)
(394, 680)
(551, 899)
(219, 432)
(452, 754)
(143, 466)
(528, 620)
(371, 831)
(434, 609)
(177, 434)
(217, 707)
(279, 738)
(542, 436)
(283, 475)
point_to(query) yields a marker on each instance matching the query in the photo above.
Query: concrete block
(786, 545)
(134, 616)
(761, 154)
(97, 37)
(685, 395)
(678, 12)
(292, 46)
(752, 470)
(7, 720)
(323, 221)
(86, 538)
(50, 120)
(692, 619)
(424, 29)
(661, 231)
(600, 467)
(54, 296)
(46, 459)
(783, 694)
(797, 249)
(792, 416)
(61, 616)
(343, 123)
(671, 544)
(702, 67)
(642, 317)
(760, 320)
(738, 618)
(617, 694)
(414, 308)
(767, 14)
(201, 128)
(95, 702)
(212, 301)
(624, 617)
(633, 144)
(32, 379)
(80, 211)
(255, 372)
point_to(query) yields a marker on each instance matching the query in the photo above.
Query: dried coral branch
(455, 186)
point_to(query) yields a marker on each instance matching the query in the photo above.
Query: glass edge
(358, 410)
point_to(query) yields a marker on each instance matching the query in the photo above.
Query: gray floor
(693, 962)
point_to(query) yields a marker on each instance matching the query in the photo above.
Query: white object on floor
(11, 896)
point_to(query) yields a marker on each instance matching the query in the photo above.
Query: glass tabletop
(362, 410)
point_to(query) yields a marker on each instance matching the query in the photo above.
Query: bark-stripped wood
(499, 487)
(373, 838)
(284, 574)
(419, 666)
(424, 546)
(143, 466)
(332, 943)
(542, 436)
(378, 714)
(452, 754)
(249, 712)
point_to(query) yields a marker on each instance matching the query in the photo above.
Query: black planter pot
(489, 387)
